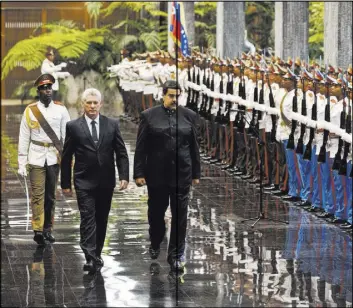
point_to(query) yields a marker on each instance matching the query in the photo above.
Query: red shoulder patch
(58, 103)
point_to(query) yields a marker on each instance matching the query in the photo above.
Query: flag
(177, 28)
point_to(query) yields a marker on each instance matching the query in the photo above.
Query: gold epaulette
(58, 103)
(32, 124)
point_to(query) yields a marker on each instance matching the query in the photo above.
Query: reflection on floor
(304, 264)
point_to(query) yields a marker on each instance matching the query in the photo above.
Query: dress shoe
(271, 187)
(291, 199)
(177, 265)
(90, 266)
(238, 173)
(313, 209)
(39, 238)
(256, 181)
(335, 220)
(49, 237)
(99, 261)
(346, 226)
(246, 176)
(280, 194)
(304, 203)
(154, 253)
(214, 160)
(324, 215)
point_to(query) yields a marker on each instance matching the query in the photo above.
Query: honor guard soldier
(42, 132)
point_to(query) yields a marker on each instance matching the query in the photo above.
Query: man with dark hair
(38, 149)
(48, 67)
(167, 159)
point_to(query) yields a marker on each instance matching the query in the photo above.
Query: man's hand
(63, 64)
(123, 184)
(195, 181)
(22, 171)
(140, 182)
(67, 192)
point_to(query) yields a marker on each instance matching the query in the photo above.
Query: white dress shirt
(89, 121)
(28, 153)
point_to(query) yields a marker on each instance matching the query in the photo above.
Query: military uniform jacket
(167, 148)
(57, 116)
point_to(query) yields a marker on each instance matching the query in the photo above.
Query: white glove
(63, 64)
(66, 74)
(22, 171)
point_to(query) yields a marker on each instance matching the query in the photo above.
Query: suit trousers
(94, 206)
(43, 183)
(158, 201)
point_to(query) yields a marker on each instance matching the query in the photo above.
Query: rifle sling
(47, 128)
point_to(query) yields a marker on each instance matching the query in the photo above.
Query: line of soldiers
(288, 118)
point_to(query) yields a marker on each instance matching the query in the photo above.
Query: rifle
(337, 159)
(343, 166)
(273, 116)
(290, 144)
(239, 120)
(229, 91)
(188, 100)
(308, 148)
(197, 93)
(322, 155)
(204, 96)
(192, 102)
(218, 117)
(211, 98)
(256, 99)
(300, 145)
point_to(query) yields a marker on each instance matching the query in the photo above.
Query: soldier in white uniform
(36, 149)
(48, 67)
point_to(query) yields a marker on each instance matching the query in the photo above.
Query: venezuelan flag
(177, 28)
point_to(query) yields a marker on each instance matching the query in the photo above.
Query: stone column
(338, 33)
(292, 29)
(230, 29)
(190, 22)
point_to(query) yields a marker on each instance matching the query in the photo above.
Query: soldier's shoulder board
(58, 103)
(32, 104)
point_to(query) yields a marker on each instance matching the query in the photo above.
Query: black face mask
(45, 96)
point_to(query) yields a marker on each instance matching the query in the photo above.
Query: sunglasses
(45, 87)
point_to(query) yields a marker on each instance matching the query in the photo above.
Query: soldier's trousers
(315, 170)
(348, 187)
(271, 158)
(305, 172)
(293, 181)
(158, 202)
(43, 183)
(327, 198)
(281, 167)
(241, 153)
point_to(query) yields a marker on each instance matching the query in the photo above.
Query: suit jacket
(167, 148)
(94, 164)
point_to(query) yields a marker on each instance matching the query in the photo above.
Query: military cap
(44, 79)
(349, 70)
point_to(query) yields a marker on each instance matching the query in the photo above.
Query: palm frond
(151, 40)
(28, 53)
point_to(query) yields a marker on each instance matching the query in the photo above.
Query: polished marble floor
(306, 263)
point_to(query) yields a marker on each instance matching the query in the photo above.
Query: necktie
(94, 131)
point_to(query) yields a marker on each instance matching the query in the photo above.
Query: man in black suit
(93, 139)
(167, 159)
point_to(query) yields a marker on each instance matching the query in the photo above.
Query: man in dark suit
(167, 159)
(93, 139)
